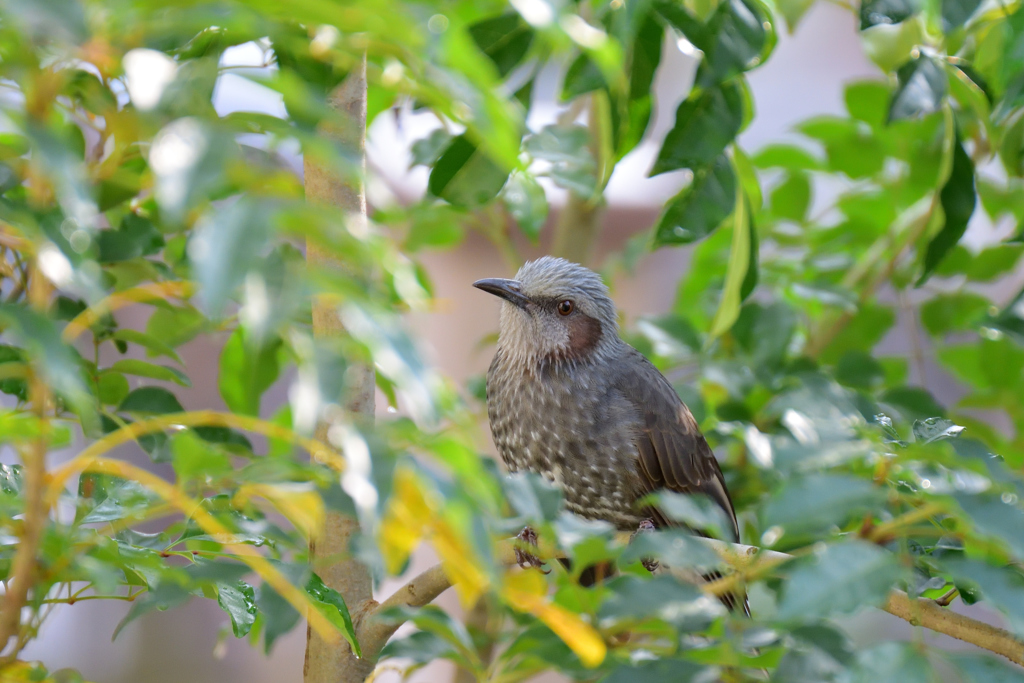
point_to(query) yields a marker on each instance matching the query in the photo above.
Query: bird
(570, 400)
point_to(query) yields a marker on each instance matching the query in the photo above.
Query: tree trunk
(332, 661)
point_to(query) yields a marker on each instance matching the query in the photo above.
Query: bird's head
(554, 310)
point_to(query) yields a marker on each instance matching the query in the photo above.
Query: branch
(332, 661)
(751, 561)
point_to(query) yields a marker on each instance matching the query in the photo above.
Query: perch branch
(752, 561)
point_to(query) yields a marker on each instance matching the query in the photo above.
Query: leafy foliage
(124, 183)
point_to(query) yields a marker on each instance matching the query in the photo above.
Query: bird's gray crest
(550, 277)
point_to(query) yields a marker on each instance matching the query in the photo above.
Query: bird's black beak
(509, 290)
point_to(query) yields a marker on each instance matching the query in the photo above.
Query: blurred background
(804, 77)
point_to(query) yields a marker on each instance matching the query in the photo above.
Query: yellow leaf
(527, 592)
(300, 503)
(460, 563)
(405, 521)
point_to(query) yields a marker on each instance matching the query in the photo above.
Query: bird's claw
(526, 559)
(649, 563)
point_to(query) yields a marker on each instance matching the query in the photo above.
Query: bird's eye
(566, 307)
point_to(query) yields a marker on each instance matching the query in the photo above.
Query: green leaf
(868, 101)
(992, 516)
(742, 257)
(789, 157)
(246, 372)
(162, 597)
(893, 663)
(840, 579)
(849, 148)
(582, 76)
(865, 329)
(140, 368)
(526, 203)
(195, 459)
(977, 668)
(153, 346)
(955, 13)
(986, 364)
(793, 11)
(958, 201)
(567, 149)
(330, 603)
(884, 12)
(436, 226)
(239, 601)
(136, 236)
(466, 176)
(633, 599)
(225, 246)
(921, 91)
(175, 325)
(913, 403)
(657, 671)
(1000, 587)
(953, 312)
(279, 617)
(791, 198)
(817, 502)
(53, 359)
(696, 512)
(421, 647)
(859, 369)
(738, 36)
(935, 429)
(112, 387)
(426, 151)
(154, 400)
(505, 39)
(706, 123)
(700, 207)
(532, 496)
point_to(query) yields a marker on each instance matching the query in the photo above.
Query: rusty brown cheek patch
(584, 334)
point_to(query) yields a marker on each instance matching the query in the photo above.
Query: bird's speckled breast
(571, 426)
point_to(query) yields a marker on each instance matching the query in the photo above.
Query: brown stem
(332, 661)
(23, 568)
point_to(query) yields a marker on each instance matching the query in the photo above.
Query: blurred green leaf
(151, 400)
(247, 370)
(817, 502)
(136, 236)
(656, 671)
(977, 668)
(195, 459)
(566, 148)
(955, 13)
(225, 246)
(634, 600)
(56, 361)
(175, 325)
(958, 201)
(696, 512)
(893, 663)
(953, 312)
(995, 516)
(1000, 587)
(791, 198)
(526, 202)
(466, 176)
(921, 91)
(842, 578)
(883, 12)
(505, 39)
(140, 368)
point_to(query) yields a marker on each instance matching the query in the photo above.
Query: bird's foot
(649, 563)
(526, 559)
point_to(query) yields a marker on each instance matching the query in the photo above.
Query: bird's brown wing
(673, 454)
